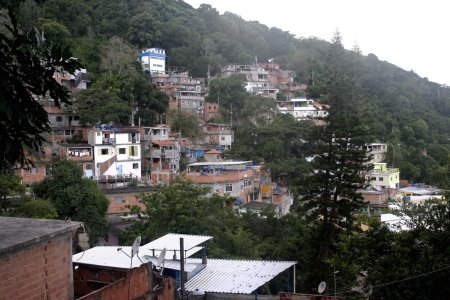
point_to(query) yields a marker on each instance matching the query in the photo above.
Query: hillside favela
(153, 150)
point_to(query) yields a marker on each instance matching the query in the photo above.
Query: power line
(396, 281)
(412, 277)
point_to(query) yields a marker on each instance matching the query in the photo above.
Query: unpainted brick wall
(41, 271)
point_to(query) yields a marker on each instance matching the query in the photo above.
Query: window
(122, 150)
(246, 182)
(58, 119)
(380, 178)
(133, 150)
(104, 151)
(228, 187)
(135, 166)
(134, 138)
(373, 178)
(34, 171)
(118, 199)
(222, 138)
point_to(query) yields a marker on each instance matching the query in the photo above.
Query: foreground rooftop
(17, 233)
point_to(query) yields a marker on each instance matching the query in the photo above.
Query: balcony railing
(108, 141)
(385, 171)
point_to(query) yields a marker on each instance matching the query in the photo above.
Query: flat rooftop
(17, 233)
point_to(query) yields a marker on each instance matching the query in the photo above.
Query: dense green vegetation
(76, 198)
(28, 63)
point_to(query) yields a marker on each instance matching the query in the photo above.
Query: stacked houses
(124, 160)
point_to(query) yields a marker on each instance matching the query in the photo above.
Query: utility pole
(182, 278)
(334, 275)
(231, 115)
(218, 104)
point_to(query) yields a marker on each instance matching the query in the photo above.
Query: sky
(411, 34)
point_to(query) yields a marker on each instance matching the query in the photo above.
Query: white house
(153, 60)
(117, 151)
(378, 150)
(301, 109)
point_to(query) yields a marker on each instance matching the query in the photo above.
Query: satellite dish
(160, 260)
(322, 286)
(135, 247)
(161, 257)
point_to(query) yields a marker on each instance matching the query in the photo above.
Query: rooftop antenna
(322, 286)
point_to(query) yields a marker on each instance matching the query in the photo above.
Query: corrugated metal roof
(110, 256)
(171, 241)
(235, 276)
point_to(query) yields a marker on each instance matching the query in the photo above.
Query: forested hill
(411, 113)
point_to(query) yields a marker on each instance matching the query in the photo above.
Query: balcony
(108, 141)
(385, 171)
(155, 137)
(158, 153)
(81, 158)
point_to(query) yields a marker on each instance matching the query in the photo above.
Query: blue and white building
(153, 60)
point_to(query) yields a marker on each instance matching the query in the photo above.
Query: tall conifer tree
(329, 194)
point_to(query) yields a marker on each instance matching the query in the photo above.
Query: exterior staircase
(104, 166)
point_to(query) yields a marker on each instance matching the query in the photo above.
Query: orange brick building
(36, 258)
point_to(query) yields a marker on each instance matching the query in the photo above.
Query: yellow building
(383, 177)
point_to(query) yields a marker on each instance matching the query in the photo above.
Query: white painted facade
(301, 109)
(377, 150)
(226, 140)
(117, 152)
(153, 60)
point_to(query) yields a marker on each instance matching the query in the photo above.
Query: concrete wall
(41, 271)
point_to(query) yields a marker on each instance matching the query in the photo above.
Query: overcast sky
(411, 34)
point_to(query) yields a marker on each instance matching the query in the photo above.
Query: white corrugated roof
(171, 241)
(419, 190)
(109, 256)
(394, 222)
(235, 276)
